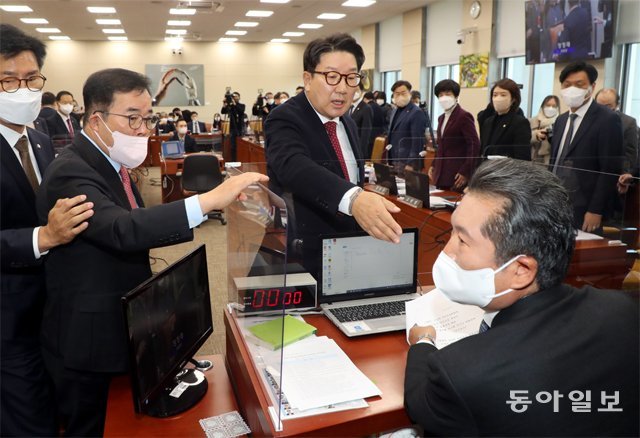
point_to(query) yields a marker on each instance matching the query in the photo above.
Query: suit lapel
(558, 129)
(12, 165)
(43, 158)
(588, 121)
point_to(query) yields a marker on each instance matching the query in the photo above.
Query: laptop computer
(172, 150)
(385, 178)
(360, 273)
(417, 184)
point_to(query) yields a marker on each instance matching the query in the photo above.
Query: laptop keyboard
(369, 311)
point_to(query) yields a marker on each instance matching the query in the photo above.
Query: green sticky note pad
(272, 335)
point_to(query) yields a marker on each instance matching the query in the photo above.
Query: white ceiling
(146, 20)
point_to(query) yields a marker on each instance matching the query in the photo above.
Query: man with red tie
(62, 124)
(313, 155)
(83, 335)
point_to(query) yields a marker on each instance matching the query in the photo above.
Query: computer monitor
(386, 178)
(168, 318)
(417, 186)
(172, 149)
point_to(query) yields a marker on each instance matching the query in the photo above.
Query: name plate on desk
(384, 191)
(410, 200)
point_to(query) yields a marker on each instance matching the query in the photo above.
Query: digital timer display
(262, 294)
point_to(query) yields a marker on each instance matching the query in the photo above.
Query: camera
(228, 98)
(460, 40)
(549, 132)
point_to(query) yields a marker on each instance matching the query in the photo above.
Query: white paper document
(437, 201)
(583, 235)
(452, 321)
(316, 372)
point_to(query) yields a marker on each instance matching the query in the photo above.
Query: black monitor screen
(168, 318)
(386, 178)
(417, 186)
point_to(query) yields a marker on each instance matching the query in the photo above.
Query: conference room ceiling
(146, 20)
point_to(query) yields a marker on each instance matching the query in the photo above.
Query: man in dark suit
(610, 98)
(84, 342)
(63, 124)
(196, 126)
(406, 130)
(362, 114)
(181, 134)
(48, 103)
(550, 359)
(378, 121)
(587, 152)
(313, 156)
(40, 124)
(458, 142)
(26, 403)
(577, 32)
(232, 106)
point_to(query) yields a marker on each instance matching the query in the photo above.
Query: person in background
(186, 115)
(217, 122)
(263, 105)
(511, 243)
(542, 129)
(181, 134)
(48, 105)
(165, 126)
(196, 126)
(235, 110)
(378, 121)
(507, 133)
(299, 89)
(609, 97)
(406, 137)
(63, 124)
(362, 114)
(458, 143)
(281, 97)
(387, 109)
(27, 405)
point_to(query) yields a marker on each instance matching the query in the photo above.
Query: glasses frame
(346, 77)
(26, 83)
(147, 120)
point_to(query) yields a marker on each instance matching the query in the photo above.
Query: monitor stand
(190, 385)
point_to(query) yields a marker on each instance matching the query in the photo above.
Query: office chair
(200, 174)
(378, 149)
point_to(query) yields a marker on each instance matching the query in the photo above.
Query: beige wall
(245, 67)
(412, 50)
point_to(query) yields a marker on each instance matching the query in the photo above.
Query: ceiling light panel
(358, 3)
(236, 32)
(293, 34)
(182, 11)
(246, 24)
(227, 40)
(118, 38)
(113, 31)
(34, 20)
(48, 29)
(179, 23)
(280, 40)
(330, 16)
(176, 31)
(16, 8)
(310, 26)
(59, 37)
(259, 14)
(275, 1)
(108, 22)
(101, 9)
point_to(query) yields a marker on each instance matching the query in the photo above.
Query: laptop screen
(172, 148)
(356, 265)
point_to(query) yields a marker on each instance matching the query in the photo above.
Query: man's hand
(430, 173)
(372, 212)
(229, 191)
(66, 220)
(624, 182)
(591, 222)
(541, 134)
(408, 167)
(459, 181)
(416, 332)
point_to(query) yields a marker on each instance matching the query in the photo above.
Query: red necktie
(333, 136)
(126, 182)
(69, 126)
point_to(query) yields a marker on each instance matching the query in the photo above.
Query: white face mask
(501, 104)
(446, 101)
(402, 101)
(128, 150)
(380, 102)
(182, 130)
(283, 100)
(66, 108)
(475, 287)
(574, 97)
(550, 111)
(269, 101)
(21, 107)
(163, 121)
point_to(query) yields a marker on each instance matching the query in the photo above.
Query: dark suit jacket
(458, 148)
(577, 25)
(201, 125)
(593, 155)
(22, 276)
(304, 169)
(47, 112)
(379, 121)
(363, 116)
(407, 135)
(561, 339)
(85, 279)
(58, 127)
(630, 140)
(190, 144)
(513, 138)
(40, 124)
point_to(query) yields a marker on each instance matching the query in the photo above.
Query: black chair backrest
(201, 173)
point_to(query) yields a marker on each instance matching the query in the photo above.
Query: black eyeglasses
(334, 78)
(135, 120)
(33, 83)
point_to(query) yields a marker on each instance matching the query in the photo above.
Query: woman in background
(542, 129)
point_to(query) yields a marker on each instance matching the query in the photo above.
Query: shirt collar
(583, 109)
(323, 119)
(12, 136)
(115, 164)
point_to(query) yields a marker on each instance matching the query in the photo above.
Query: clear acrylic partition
(257, 280)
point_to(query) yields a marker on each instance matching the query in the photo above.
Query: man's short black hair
(368, 95)
(536, 218)
(339, 42)
(14, 41)
(100, 87)
(447, 85)
(48, 98)
(416, 93)
(194, 113)
(400, 83)
(61, 94)
(579, 66)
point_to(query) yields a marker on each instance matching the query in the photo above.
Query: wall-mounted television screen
(569, 30)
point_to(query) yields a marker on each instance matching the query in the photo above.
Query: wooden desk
(154, 146)
(123, 421)
(251, 155)
(595, 262)
(381, 357)
(171, 178)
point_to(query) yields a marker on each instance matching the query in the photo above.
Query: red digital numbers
(274, 298)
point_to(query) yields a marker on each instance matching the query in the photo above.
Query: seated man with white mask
(549, 359)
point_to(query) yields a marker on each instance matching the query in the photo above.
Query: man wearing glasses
(313, 155)
(82, 330)
(26, 404)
